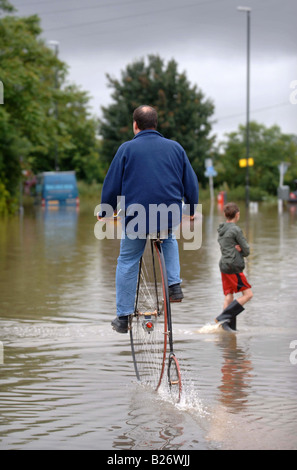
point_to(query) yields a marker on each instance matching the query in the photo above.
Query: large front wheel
(149, 323)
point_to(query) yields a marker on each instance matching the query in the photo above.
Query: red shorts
(233, 283)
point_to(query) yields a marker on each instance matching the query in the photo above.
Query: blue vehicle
(57, 188)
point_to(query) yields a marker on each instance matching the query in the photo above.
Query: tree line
(46, 123)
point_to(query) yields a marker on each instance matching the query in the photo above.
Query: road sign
(283, 166)
(210, 171)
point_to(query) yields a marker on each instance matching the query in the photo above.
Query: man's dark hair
(145, 117)
(230, 210)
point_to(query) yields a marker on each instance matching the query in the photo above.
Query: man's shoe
(120, 324)
(175, 293)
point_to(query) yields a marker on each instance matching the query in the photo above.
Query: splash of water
(210, 328)
(189, 400)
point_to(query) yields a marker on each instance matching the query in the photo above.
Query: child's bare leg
(228, 300)
(246, 296)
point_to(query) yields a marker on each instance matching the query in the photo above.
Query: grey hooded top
(232, 260)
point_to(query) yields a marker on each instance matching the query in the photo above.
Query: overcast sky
(207, 38)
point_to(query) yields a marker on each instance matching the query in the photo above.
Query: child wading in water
(234, 248)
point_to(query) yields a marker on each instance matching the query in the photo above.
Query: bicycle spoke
(149, 324)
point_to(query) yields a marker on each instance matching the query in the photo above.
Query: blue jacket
(150, 169)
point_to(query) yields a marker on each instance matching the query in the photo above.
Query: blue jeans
(128, 265)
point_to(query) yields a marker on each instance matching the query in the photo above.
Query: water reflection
(155, 423)
(68, 379)
(236, 374)
(59, 226)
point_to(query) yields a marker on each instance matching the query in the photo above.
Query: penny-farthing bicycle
(151, 325)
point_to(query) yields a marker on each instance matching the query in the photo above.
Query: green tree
(184, 113)
(41, 117)
(268, 147)
(79, 135)
(5, 5)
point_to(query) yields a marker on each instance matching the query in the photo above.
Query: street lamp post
(247, 10)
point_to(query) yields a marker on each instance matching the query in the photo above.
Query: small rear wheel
(174, 378)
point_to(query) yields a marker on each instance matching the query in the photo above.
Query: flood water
(67, 379)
